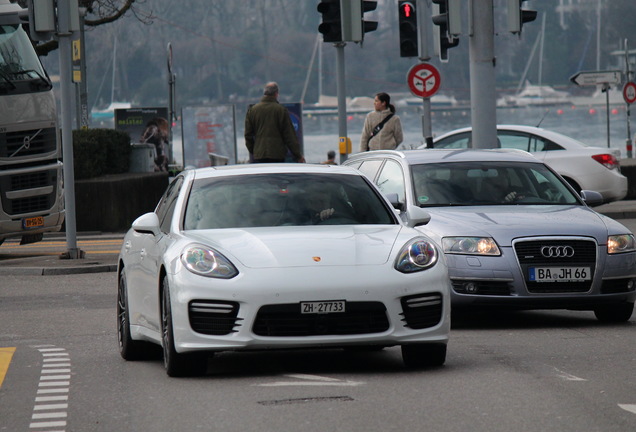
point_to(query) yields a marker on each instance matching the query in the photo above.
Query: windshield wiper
(28, 72)
(7, 80)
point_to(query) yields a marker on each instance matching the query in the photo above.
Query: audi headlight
(471, 246)
(206, 261)
(620, 243)
(417, 255)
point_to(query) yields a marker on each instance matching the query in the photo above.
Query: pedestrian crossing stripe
(6, 354)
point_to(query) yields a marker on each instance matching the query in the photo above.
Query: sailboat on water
(108, 113)
(535, 94)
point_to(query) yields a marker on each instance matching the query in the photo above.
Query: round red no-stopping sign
(629, 92)
(424, 80)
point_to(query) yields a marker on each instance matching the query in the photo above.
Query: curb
(51, 271)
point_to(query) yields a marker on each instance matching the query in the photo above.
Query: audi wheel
(616, 313)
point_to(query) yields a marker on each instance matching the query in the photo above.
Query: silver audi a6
(253, 257)
(515, 234)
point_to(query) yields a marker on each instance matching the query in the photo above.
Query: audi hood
(506, 223)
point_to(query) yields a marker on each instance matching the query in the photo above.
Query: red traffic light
(406, 9)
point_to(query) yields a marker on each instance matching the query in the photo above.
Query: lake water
(586, 124)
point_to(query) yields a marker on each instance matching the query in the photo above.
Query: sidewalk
(44, 265)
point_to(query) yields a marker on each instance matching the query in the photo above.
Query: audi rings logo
(557, 251)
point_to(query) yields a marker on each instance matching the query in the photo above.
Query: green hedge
(99, 152)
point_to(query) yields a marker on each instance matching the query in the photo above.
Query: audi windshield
(489, 183)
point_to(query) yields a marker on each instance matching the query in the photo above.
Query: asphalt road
(532, 371)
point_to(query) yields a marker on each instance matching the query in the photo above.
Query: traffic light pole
(64, 35)
(483, 106)
(424, 17)
(340, 89)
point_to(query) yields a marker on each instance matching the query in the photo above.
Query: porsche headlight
(206, 261)
(471, 246)
(620, 243)
(417, 255)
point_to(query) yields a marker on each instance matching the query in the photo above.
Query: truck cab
(31, 176)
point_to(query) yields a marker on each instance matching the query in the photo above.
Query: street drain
(307, 400)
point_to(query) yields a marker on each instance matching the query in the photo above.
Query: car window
(460, 140)
(165, 209)
(266, 200)
(391, 180)
(514, 140)
(370, 168)
(487, 183)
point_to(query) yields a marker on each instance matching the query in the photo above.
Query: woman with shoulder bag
(382, 128)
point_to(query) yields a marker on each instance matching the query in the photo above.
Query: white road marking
(54, 380)
(311, 380)
(568, 377)
(628, 407)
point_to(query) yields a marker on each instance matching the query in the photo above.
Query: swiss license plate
(559, 274)
(33, 222)
(322, 307)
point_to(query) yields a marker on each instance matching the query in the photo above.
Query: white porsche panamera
(252, 257)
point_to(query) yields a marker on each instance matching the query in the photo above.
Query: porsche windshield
(264, 200)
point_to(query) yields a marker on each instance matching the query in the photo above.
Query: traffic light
(447, 16)
(40, 17)
(409, 37)
(368, 26)
(517, 16)
(331, 26)
(352, 17)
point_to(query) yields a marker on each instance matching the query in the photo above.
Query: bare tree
(98, 12)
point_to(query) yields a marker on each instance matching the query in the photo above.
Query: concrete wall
(111, 203)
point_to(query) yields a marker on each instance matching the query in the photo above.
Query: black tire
(424, 355)
(616, 313)
(177, 365)
(129, 349)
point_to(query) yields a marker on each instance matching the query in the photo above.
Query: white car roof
(566, 141)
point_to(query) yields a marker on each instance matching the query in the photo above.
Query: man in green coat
(269, 131)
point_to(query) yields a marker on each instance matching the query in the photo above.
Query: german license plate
(322, 307)
(559, 274)
(33, 222)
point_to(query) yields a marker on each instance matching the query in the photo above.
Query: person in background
(269, 131)
(331, 158)
(382, 127)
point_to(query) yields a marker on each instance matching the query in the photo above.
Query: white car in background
(583, 167)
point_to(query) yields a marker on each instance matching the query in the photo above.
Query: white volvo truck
(31, 179)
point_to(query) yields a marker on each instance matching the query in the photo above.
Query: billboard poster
(296, 115)
(209, 135)
(147, 126)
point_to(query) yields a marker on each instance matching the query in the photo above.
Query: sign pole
(341, 90)
(602, 78)
(628, 143)
(481, 48)
(606, 89)
(424, 18)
